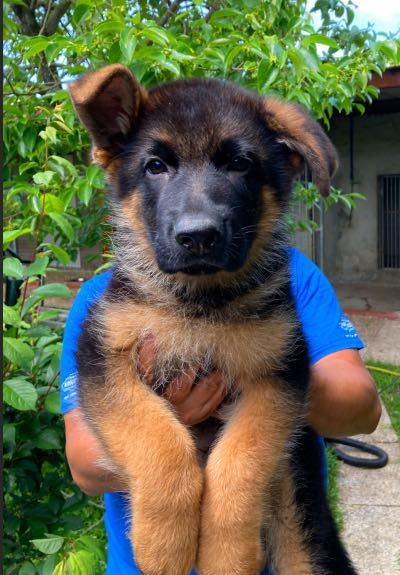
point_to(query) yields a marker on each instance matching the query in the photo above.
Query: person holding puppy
(343, 400)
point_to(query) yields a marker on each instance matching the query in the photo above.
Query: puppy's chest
(240, 347)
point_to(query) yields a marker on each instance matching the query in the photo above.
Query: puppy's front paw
(167, 548)
(166, 522)
(220, 554)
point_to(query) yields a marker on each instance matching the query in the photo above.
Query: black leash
(379, 460)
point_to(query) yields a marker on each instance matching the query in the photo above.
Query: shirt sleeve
(325, 326)
(87, 295)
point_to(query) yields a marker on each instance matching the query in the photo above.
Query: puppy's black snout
(199, 238)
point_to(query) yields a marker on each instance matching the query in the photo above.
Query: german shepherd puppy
(200, 173)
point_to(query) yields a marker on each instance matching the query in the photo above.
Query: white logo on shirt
(346, 325)
(70, 383)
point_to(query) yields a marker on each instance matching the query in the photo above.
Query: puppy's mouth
(195, 269)
(200, 269)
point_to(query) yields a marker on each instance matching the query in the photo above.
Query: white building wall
(351, 236)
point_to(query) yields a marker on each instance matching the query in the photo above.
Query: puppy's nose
(198, 237)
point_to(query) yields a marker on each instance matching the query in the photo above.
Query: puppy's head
(201, 170)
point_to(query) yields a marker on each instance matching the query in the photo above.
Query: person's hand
(192, 403)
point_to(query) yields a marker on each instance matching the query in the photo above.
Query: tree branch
(169, 13)
(30, 27)
(42, 29)
(213, 8)
(26, 17)
(56, 14)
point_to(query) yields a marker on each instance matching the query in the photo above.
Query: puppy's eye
(239, 164)
(155, 167)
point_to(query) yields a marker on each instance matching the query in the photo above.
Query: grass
(333, 488)
(387, 379)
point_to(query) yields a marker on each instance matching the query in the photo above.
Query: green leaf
(80, 13)
(13, 268)
(17, 351)
(63, 126)
(50, 545)
(38, 267)
(92, 545)
(297, 61)
(9, 435)
(20, 394)
(51, 134)
(231, 56)
(225, 13)
(52, 51)
(94, 176)
(52, 290)
(172, 67)
(109, 26)
(62, 256)
(48, 314)
(48, 439)
(320, 39)
(43, 178)
(44, 292)
(26, 166)
(21, 148)
(38, 331)
(47, 340)
(51, 203)
(63, 224)
(156, 35)
(127, 44)
(72, 523)
(47, 566)
(85, 192)
(30, 136)
(346, 201)
(114, 53)
(59, 568)
(35, 203)
(67, 165)
(27, 569)
(181, 56)
(11, 235)
(34, 46)
(81, 562)
(11, 316)
(103, 267)
(271, 78)
(52, 402)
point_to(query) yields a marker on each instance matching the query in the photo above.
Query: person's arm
(344, 401)
(343, 398)
(85, 454)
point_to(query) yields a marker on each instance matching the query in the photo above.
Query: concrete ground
(370, 499)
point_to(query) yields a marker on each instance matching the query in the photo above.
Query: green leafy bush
(44, 518)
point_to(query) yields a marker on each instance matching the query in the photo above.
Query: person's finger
(181, 387)
(192, 415)
(208, 387)
(146, 357)
(203, 401)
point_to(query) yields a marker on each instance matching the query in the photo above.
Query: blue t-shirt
(326, 329)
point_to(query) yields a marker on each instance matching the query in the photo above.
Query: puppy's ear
(305, 139)
(107, 102)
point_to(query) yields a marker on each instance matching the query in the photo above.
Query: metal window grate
(389, 221)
